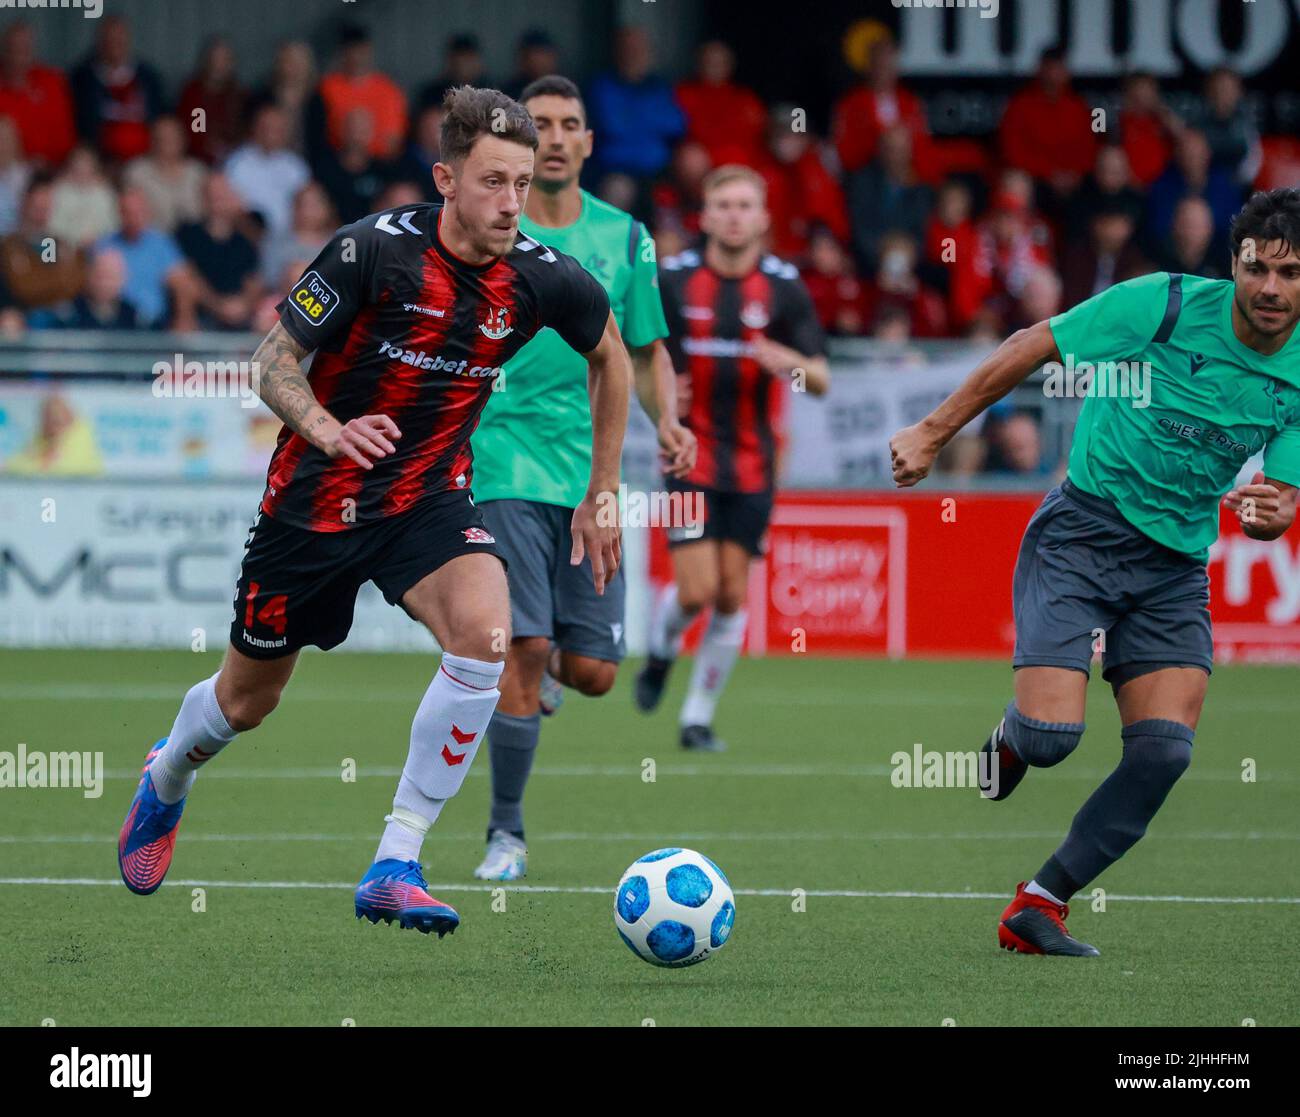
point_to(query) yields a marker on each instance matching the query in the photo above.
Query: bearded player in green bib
(532, 459)
(1119, 549)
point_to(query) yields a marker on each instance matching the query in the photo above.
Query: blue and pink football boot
(148, 836)
(396, 890)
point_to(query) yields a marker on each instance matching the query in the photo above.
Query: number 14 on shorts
(270, 612)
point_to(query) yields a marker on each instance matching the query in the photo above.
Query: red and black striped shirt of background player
(402, 327)
(737, 410)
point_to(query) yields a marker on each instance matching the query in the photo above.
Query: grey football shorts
(549, 597)
(1084, 572)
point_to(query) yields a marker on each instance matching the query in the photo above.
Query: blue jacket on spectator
(635, 124)
(1221, 194)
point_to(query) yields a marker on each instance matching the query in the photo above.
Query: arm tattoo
(281, 383)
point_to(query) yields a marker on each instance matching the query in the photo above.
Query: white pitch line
(824, 893)
(713, 836)
(721, 770)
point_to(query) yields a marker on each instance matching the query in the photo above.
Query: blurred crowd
(125, 205)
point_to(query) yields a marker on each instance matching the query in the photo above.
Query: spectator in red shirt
(36, 98)
(838, 295)
(116, 97)
(1147, 128)
(896, 284)
(802, 193)
(356, 84)
(1047, 129)
(728, 119)
(952, 250)
(677, 199)
(874, 106)
(1011, 246)
(215, 89)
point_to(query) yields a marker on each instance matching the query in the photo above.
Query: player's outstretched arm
(782, 360)
(1265, 508)
(656, 388)
(914, 448)
(595, 528)
(285, 390)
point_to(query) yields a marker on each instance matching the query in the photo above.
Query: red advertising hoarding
(929, 574)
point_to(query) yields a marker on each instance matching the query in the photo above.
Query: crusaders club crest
(478, 535)
(496, 324)
(754, 315)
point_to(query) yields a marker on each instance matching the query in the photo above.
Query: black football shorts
(298, 587)
(726, 516)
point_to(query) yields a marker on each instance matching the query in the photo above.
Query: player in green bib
(1186, 379)
(532, 461)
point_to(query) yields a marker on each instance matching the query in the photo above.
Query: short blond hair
(734, 172)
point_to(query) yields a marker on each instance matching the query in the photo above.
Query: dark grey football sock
(511, 744)
(1116, 815)
(1040, 743)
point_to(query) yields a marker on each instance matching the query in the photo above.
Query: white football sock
(199, 733)
(669, 622)
(1036, 889)
(713, 664)
(406, 826)
(445, 736)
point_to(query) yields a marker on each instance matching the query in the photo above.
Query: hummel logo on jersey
(385, 221)
(418, 358)
(424, 310)
(478, 535)
(1198, 362)
(495, 325)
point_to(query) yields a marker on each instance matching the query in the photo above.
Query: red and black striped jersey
(737, 409)
(402, 327)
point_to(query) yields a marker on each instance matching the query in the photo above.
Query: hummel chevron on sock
(199, 733)
(445, 735)
(713, 663)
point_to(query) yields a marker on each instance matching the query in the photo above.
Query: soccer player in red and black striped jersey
(410, 314)
(742, 333)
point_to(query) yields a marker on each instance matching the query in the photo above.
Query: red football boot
(1036, 925)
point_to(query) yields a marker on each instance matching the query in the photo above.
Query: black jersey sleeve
(574, 304)
(321, 306)
(670, 280)
(797, 325)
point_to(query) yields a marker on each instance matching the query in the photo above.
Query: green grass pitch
(802, 800)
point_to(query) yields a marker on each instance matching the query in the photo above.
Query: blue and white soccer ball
(674, 907)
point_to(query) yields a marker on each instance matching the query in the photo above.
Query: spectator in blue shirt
(634, 114)
(158, 281)
(1190, 174)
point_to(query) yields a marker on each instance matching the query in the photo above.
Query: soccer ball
(674, 907)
